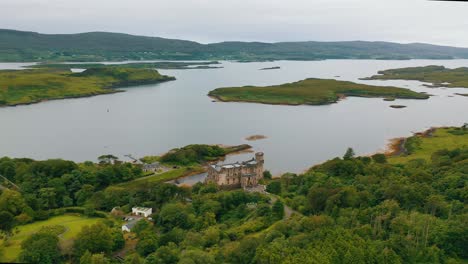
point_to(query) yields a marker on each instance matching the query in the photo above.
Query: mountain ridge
(18, 46)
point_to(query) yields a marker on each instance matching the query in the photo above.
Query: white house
(142, 211)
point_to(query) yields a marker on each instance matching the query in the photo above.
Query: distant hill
(100, 46)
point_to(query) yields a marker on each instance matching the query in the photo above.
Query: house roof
(131, 224)
(142, 209)
(151, 166)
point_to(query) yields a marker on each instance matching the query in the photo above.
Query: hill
(100, 46)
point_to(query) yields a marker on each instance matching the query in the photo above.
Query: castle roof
(248, 163)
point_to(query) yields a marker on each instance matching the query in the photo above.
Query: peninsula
(179, 65)
(310, 92)
(36, 85)
(438, 76)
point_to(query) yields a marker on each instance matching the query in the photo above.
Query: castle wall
(237, 175)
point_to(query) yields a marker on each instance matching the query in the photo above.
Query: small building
(142, 211)
(152, 167)
(128, 226)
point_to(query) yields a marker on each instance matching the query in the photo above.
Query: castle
(240, 174)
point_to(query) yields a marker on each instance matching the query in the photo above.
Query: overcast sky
(248, 20)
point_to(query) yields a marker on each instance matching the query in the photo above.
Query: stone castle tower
(240, 174)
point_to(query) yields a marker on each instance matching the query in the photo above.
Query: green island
(36, 85)
(438, 76)
(405, 207)
(310, 92)
(179, 65)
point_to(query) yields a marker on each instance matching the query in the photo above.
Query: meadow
(423, 146)
(310, 92)
(72, 223)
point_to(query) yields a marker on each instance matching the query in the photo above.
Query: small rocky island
(310, 92)
(271, 68)
(398, 106)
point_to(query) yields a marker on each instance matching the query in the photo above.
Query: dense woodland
(346, 210)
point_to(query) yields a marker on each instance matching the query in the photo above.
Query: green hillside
(99, 46)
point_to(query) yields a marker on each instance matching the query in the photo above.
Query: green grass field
(437, 75)
(32, 86)
(441, 139)
(310, 92)
(163, 177)
(72, 223)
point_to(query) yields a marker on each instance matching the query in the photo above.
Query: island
(398, 106)
(169, 65)
(19, 87)
(310, 92)
(438, 76)
(270, 68)
(255, 137)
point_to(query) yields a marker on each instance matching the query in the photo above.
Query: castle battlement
(239, 174)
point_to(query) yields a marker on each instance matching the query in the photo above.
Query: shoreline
(341, 97)
(396, 146)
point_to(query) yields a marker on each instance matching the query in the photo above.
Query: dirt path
(288, 211)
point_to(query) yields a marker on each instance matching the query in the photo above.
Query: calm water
(151, 119)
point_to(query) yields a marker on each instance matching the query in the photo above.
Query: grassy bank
(163, 177)
(310, 92)
(72, 224)
(33, 86)
(439, 76)
(423, 145)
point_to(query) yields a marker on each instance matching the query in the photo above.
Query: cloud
(259, 20)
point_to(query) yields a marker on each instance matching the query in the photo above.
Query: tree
(133, 259)
(278, 210)
(12, 202)
(173, 215)
(86, 258)
(99, 259)
(379, 158)
(274, 187)
(41, 248)
(7, 221)
(96, 239)
(107, 159)
(267, 175)
(164, 255)
(349, 154)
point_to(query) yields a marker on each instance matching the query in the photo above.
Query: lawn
(163, 177)
(440, 139)
(310, 92)
(73, 224)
